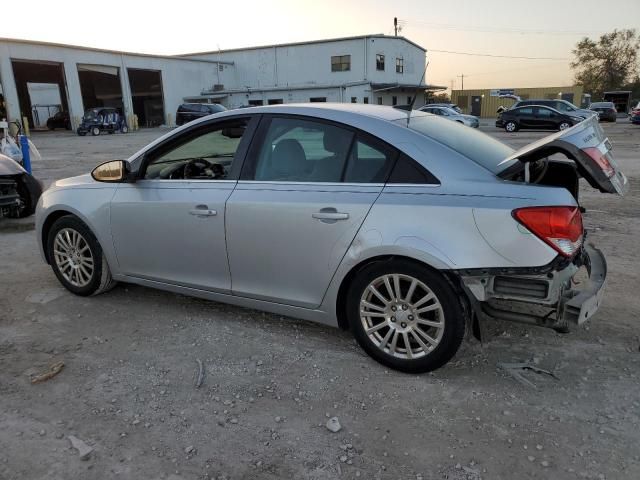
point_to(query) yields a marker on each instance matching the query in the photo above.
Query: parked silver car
(451, 114)
(401, 226)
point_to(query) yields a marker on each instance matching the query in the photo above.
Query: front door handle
(203, 211)
(329, 215)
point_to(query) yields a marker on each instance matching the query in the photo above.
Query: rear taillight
(560, 227)
(601, 160)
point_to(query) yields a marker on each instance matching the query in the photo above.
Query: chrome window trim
(330, 184)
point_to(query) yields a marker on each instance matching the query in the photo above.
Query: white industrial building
(365, 69)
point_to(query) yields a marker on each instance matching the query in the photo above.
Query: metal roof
(102, 50)
(309, 42)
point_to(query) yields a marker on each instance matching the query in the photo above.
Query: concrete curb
(17, 225)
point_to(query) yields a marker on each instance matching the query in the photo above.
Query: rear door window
(300, 150)
(370, 161)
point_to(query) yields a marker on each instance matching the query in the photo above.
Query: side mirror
(113, 171)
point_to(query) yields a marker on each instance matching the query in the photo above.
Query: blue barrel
(26, 158)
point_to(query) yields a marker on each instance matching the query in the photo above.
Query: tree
(607, 64)
(438, 97)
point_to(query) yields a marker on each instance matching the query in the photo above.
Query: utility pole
(462, 77)
(395, 25)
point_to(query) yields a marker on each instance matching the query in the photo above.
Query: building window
(399, 65)
(379, 100)
(365, 99)
(354, 99)
(256, 103)
(318, 99)
(274, 101)
(379, 62)
(394, 100)
(341, 63)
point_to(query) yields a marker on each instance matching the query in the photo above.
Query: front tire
(77, 259)
(564, 126)
(511, 126)
(95, 131)
(405, 316)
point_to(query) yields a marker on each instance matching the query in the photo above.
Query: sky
(544, 30)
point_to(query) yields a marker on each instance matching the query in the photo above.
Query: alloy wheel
(510, 127)
(402, 316)
(564, 126)
(73, 257)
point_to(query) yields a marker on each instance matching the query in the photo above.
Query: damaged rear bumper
(555, 296)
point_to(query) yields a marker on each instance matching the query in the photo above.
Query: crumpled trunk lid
(587, 145)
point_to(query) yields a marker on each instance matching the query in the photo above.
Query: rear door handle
(203, 211)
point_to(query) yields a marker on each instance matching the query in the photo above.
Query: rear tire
(511, 126)
(417, 328)
(77, 259)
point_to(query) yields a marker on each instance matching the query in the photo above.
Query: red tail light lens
(601, 160)
(560, 227)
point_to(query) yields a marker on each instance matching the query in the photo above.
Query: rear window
(477, 146)
(602, 105)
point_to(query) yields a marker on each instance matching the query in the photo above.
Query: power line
(507, 30)
(497, 56)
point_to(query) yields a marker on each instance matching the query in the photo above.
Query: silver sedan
(400, 226)
(453, 115)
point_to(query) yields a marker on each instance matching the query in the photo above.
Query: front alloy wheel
(405, 316)
(73, 257)
(564, 125)
(76, 257)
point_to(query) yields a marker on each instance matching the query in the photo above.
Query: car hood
(585, 144)
(79, 181)
(9, 166)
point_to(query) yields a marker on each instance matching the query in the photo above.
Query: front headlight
(577, 119)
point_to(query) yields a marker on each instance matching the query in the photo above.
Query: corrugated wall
(489, 103)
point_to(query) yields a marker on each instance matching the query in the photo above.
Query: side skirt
(317, 316)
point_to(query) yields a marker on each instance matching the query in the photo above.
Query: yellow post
(25, 126)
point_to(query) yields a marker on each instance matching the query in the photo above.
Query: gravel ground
(271, 383)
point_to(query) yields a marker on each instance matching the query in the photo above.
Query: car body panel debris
(84, 450)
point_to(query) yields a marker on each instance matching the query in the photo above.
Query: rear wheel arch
(341, 301)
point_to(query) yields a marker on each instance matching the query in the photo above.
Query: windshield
(90, 114)
(477, 146)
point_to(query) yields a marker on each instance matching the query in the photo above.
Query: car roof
(547, 107)
(325, 110)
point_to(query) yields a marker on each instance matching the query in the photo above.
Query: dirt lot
(271, 382)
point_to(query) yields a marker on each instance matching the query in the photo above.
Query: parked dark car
(535, 117)
(606, 111)
(19, 191)
(635, 117)
(59, 120)
(102, 119)
(562, 106)
(190, 111)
